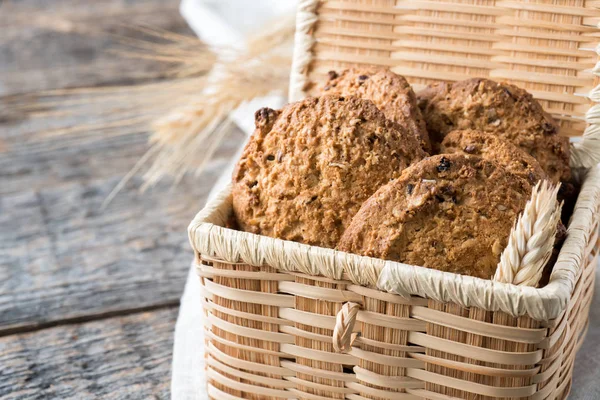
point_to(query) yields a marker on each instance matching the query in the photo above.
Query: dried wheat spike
(532, 238)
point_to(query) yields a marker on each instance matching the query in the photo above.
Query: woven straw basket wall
(290, 321)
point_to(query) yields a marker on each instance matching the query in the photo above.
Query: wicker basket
(290, 321)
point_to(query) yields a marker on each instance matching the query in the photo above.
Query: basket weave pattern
(290, 321)
(546, 47)
(270, 334)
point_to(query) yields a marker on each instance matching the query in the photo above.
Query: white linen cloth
(226, 22)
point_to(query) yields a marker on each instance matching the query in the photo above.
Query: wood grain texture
(67, 43)
(63, 257)
(116, 358)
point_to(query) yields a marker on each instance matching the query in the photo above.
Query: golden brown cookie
(390, 92)
(450, 212)
(499, 108)
(492, 148)
(307, 169)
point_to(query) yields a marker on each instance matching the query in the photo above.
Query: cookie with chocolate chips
(390, 92)
(493, 148)
(450, 212)
(499, 108)
(307, 169)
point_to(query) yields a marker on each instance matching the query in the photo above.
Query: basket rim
(209, 236)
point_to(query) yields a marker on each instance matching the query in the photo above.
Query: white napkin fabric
(221, 24)
(188, 379)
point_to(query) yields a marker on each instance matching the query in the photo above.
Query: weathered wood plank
(116, 358)
(62, 257)
(82, 158)
(67, 43)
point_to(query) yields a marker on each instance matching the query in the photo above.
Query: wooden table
(88, 297)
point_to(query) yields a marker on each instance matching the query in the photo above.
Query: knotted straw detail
(585, 153)
(344, 324)
(306, 18)
(532, 238)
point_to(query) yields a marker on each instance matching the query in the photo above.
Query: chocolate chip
(549, 129)
(332, 74)
(444, 165)
(433, 243)
(363, 77)
(470, 149)
(454, 200)
(252, 184)
(270, 157)
(312, 199)
(439, 198)
(263, 114)
(531, 177)
(341, 98)
(409, 188)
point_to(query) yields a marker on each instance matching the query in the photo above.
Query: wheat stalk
(188, 136)
(531, 239)
(193, 107)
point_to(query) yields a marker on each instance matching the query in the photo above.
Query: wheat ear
(188, 136)
(531, 239)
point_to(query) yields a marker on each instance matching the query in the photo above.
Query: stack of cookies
(435, 179)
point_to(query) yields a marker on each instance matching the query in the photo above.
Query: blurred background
(90, 288)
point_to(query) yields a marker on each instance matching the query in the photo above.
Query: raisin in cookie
(493, 148)
(308, 168)
(390, 92)
(499, 108)
(449, 212)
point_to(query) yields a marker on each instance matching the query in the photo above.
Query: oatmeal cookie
(307, 169)
(493, 148)
(499, 108)
(390, 92)
(450, 212)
